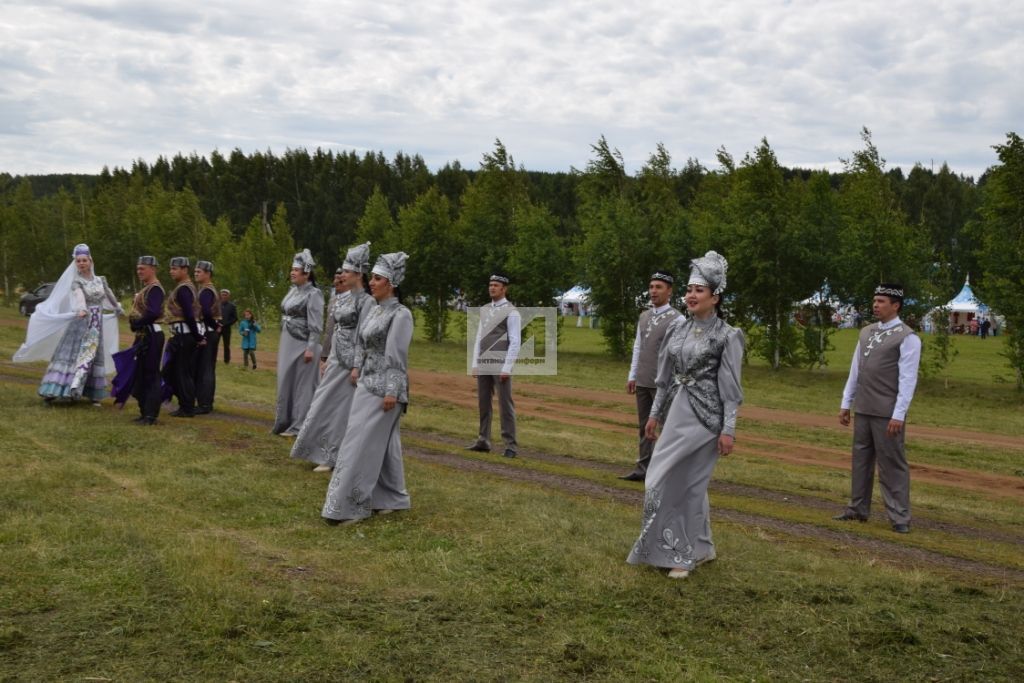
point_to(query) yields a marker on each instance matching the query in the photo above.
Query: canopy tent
(963, 308)
(576, 295)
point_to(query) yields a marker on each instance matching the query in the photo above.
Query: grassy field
(194, 550)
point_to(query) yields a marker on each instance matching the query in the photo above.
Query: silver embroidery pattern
(656, 319)
(652, 502)
(375, 376)
(345, 312)
(695, 368)
(293, 311)
(361, 502)
(878, 338)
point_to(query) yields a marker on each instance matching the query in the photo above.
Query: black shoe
(634, 476)
(849, 517)
(478, 447)
(509, 453)
(140, 418)
(901, 528)
(145, 421)
(204, 411)
(181, 413)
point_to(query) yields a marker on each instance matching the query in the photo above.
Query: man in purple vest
(882, 379)
(497, 346)
(643, 370)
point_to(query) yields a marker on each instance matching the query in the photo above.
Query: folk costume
(698, 394)
(325, 424)
(369, 475)
(187, 330)
(883, 377)
(138, 368)
(651, 329)
(498, 340)
(206, 356)
(79, 347)
(302, 321)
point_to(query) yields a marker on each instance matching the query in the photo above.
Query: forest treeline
(788, 233)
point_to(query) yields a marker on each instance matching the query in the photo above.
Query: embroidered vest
(878, 370)
(215, 308)
(175, 313)
(138, 309)
(652, 330)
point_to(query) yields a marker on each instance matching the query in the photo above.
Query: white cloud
(87, 84)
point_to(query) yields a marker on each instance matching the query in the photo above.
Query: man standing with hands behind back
(643, 370)
(883, 376)
(229, 316)
(497, 346)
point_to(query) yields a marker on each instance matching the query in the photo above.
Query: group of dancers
(343, 400)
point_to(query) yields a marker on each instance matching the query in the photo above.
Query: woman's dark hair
(366, 281)
(312, 278)
(398, 293)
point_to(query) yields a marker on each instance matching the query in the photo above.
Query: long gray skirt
(296, 383)
(327, 419)
(676, 528)
(369, 474)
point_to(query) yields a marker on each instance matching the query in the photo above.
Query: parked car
(29, 300)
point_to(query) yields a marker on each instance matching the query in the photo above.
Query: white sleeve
(476, 344)
(851, 382)
(514, 324)
(636, 357)
(910, 358)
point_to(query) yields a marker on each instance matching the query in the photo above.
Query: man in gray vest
(650, 330)
(495, 352)
(882, 379)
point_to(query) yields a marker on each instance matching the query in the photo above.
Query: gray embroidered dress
(327, 418)
(698, 394)
(302, 322)
(77, 368)
(369, 474)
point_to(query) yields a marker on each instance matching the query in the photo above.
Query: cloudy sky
(90, 83)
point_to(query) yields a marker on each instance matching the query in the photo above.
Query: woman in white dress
(369, 476)
(698, 394)
(302, 321)
(69, 327)
(327, 419)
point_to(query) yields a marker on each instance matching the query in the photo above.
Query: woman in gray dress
(698, 394)
(369, 476)
(302, 321)
(327, 419)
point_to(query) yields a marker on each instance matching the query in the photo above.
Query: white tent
(963, 308)
(576, 295)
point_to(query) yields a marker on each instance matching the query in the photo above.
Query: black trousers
(225, 340)
(206, 371)
(180, 372)
(146, 386)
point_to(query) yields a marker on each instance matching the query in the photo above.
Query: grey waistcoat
(652, 330)
(878, 370)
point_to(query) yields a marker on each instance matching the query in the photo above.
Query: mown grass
(194, 551)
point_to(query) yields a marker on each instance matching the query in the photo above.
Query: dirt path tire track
(608, 413)
(828, 508)
(843, 541)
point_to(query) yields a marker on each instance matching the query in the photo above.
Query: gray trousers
(871, 444)
(644, 401)
(486, 386)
